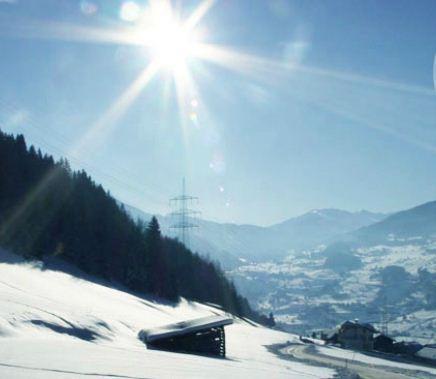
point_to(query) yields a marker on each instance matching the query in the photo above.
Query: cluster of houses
(363, 336)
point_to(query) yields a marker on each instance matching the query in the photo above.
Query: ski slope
(56, 325)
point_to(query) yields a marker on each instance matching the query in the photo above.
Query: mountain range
(234, 244)
(416, 223)
(315, 270)
(387, 267)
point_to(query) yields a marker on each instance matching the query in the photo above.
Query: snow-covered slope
(56, 325)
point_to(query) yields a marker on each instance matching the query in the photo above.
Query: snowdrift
(56, 325)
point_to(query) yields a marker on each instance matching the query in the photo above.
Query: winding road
(365, 371)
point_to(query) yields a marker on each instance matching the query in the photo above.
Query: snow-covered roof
(184, 327)
(428, 352)
(355, 323)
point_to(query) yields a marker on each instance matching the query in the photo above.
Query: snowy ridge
(232, 244)
(55, 325)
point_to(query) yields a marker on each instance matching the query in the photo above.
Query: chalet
(384, 343)
(356, 335)
(204, 336)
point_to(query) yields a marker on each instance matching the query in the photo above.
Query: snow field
(55, 325)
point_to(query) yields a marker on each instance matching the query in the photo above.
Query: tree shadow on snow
(72, 330)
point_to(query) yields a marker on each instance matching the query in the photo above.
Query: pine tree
(162, 282)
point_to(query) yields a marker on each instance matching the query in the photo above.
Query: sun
(170, 41)
(172, 44)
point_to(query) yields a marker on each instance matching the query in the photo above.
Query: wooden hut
(203, 336)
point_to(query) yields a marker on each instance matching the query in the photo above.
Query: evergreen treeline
(47, 209)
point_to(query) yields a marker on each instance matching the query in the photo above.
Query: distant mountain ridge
(232, 244)
(390, 263)
(415, 223)
(321, 226)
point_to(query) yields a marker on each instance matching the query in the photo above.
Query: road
(365, 371)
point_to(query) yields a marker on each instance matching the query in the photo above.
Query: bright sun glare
(171, 44)
(174, 41)
(170, 41)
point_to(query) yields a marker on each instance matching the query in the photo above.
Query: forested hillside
(46, 209)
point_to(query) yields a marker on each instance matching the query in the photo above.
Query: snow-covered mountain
(322, 226)
(56, 325)
(389, 266)
(234, 244)
(418, 223)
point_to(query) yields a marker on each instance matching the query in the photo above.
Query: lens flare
(88, 8)
(130, 11)
(193, 116)
(218, 163)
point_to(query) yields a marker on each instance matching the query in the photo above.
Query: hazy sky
(320, 104)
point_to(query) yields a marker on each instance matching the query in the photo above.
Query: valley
(343, 265)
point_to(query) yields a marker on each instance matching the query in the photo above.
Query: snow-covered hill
(56, 325)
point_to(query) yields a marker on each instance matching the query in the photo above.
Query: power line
(116, 172)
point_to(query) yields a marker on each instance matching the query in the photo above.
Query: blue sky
(351, 122)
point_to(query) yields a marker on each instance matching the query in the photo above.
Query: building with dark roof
(407, 347)
(200, 336)
(384, 343)
(356, 335)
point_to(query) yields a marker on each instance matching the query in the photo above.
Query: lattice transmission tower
(183, 215)
(384, 316)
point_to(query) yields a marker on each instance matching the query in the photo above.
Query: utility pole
(183, 215)
(384, 316)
